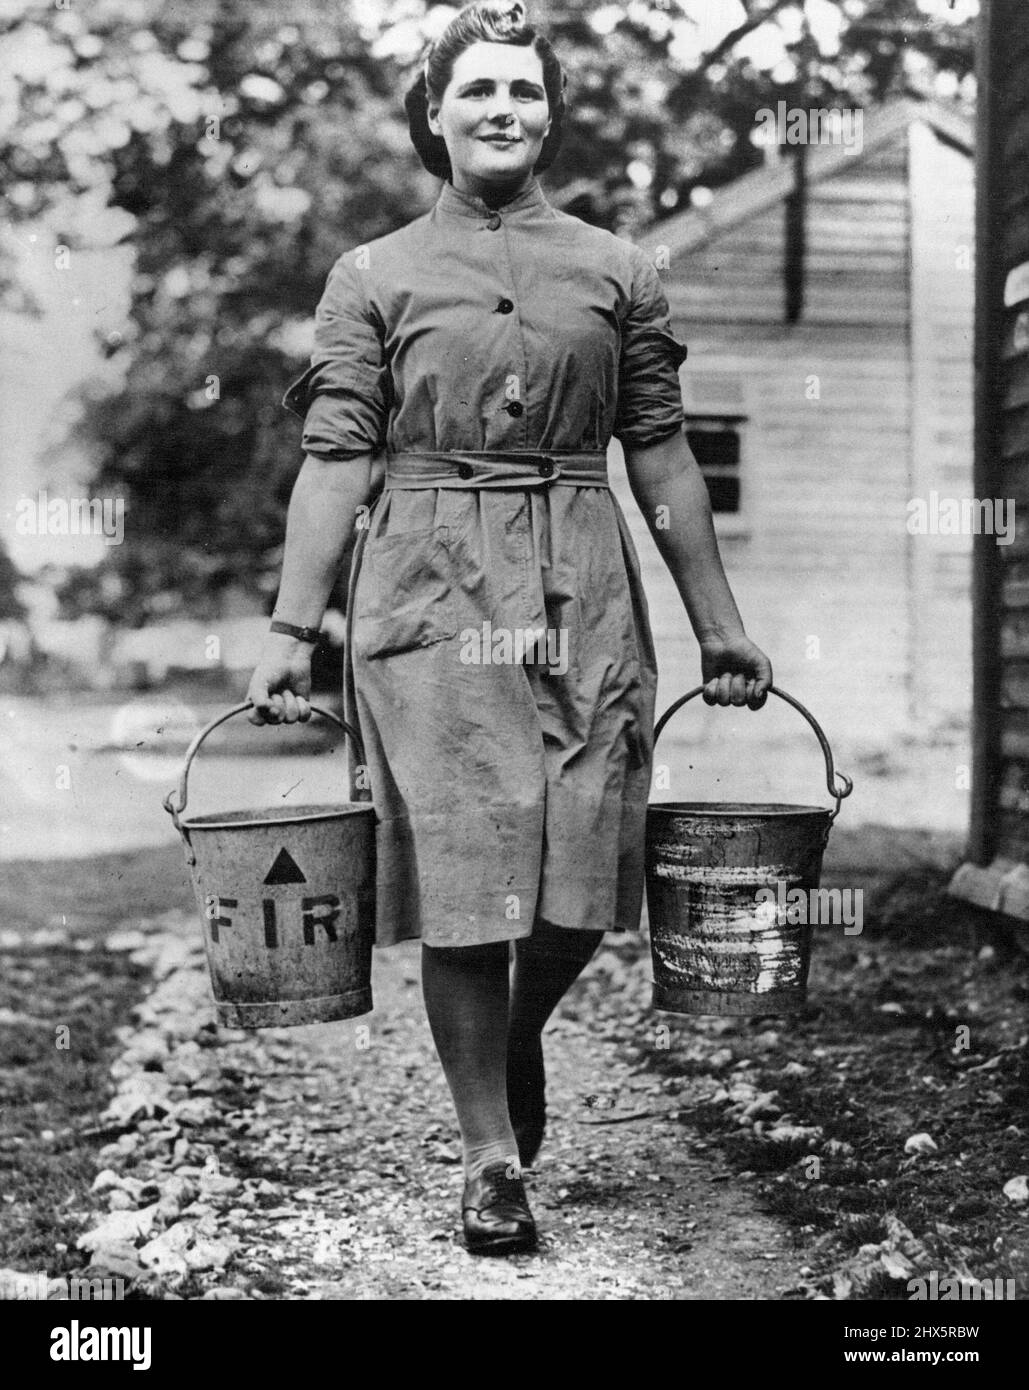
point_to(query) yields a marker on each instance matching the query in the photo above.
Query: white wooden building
(829, 319)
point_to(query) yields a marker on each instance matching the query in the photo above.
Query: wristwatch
(302, 634)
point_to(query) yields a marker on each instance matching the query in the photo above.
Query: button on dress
(499, 663)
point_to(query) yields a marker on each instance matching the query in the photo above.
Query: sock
(466, 992)
(478, 1157)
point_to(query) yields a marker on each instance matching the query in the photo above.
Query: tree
(245, 146)
(11, 606)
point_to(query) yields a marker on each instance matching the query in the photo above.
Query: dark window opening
(715, 441)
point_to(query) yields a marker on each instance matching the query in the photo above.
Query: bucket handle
(175, 807)
(838, 783)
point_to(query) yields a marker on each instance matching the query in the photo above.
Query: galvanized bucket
(718, 944)
(287, 898)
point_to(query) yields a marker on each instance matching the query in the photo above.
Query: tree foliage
(243, 144)
(11, 606)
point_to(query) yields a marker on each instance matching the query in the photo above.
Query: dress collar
(451, 200)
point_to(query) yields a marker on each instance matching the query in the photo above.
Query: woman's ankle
(479, 1157)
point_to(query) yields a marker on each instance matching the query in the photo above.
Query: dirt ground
(322, 1163)
(341, 1136)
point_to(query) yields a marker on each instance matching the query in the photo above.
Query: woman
(469, 372)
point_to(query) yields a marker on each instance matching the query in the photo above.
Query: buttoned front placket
(519, 513)
(509, 321)
(525, 524)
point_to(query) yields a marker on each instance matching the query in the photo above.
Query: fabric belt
(497, 468)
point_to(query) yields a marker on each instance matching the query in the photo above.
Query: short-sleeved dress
(510, 781)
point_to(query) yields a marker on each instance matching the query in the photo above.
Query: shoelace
(503, 1188)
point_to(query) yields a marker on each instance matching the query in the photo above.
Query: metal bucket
(719, 945)
(287, 898)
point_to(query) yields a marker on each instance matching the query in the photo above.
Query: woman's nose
(501, 107)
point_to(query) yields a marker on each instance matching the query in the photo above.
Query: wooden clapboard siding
(1010, 443)
(823, 557)
(1014, 733)
(821, 547)
(888, 158)
(729, 280)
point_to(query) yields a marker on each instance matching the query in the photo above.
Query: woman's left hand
(734, 671)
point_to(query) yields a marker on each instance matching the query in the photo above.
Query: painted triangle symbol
(284, 870)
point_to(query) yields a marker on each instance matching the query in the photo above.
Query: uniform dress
(492, 353)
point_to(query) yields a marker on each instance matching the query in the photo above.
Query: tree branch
(732, 38)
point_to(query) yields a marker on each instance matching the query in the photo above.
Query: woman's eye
(518, 95)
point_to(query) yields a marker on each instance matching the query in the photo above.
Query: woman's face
(494, 116)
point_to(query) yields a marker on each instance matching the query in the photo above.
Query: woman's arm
(666, 475)
(321, 531)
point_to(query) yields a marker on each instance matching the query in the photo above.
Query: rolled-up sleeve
(344, 396)
(649, 392)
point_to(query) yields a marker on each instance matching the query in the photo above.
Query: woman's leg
(466, 998)
(547, 964)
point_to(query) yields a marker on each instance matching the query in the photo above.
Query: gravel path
(323, 1162)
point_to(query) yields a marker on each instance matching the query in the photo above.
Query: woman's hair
(487, 21)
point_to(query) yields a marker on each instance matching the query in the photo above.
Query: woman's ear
(432, 114)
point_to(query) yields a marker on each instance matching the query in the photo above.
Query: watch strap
(302, 634)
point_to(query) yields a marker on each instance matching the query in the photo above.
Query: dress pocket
(404, 598)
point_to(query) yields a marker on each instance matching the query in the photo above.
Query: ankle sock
(478, 1157)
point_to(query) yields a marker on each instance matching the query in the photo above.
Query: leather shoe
(495, 1213)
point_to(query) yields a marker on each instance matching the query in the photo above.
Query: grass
(93, 894)
(50, 1094)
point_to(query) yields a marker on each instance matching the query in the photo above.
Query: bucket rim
(736, 809)
(275, 816)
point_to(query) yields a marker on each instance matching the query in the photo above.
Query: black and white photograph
(514, 664)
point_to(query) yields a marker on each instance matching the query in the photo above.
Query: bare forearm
(670, 491)
(320, 533)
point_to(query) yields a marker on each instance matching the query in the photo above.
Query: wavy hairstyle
(487, 21)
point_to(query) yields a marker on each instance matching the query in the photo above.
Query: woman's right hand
(280, 687)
